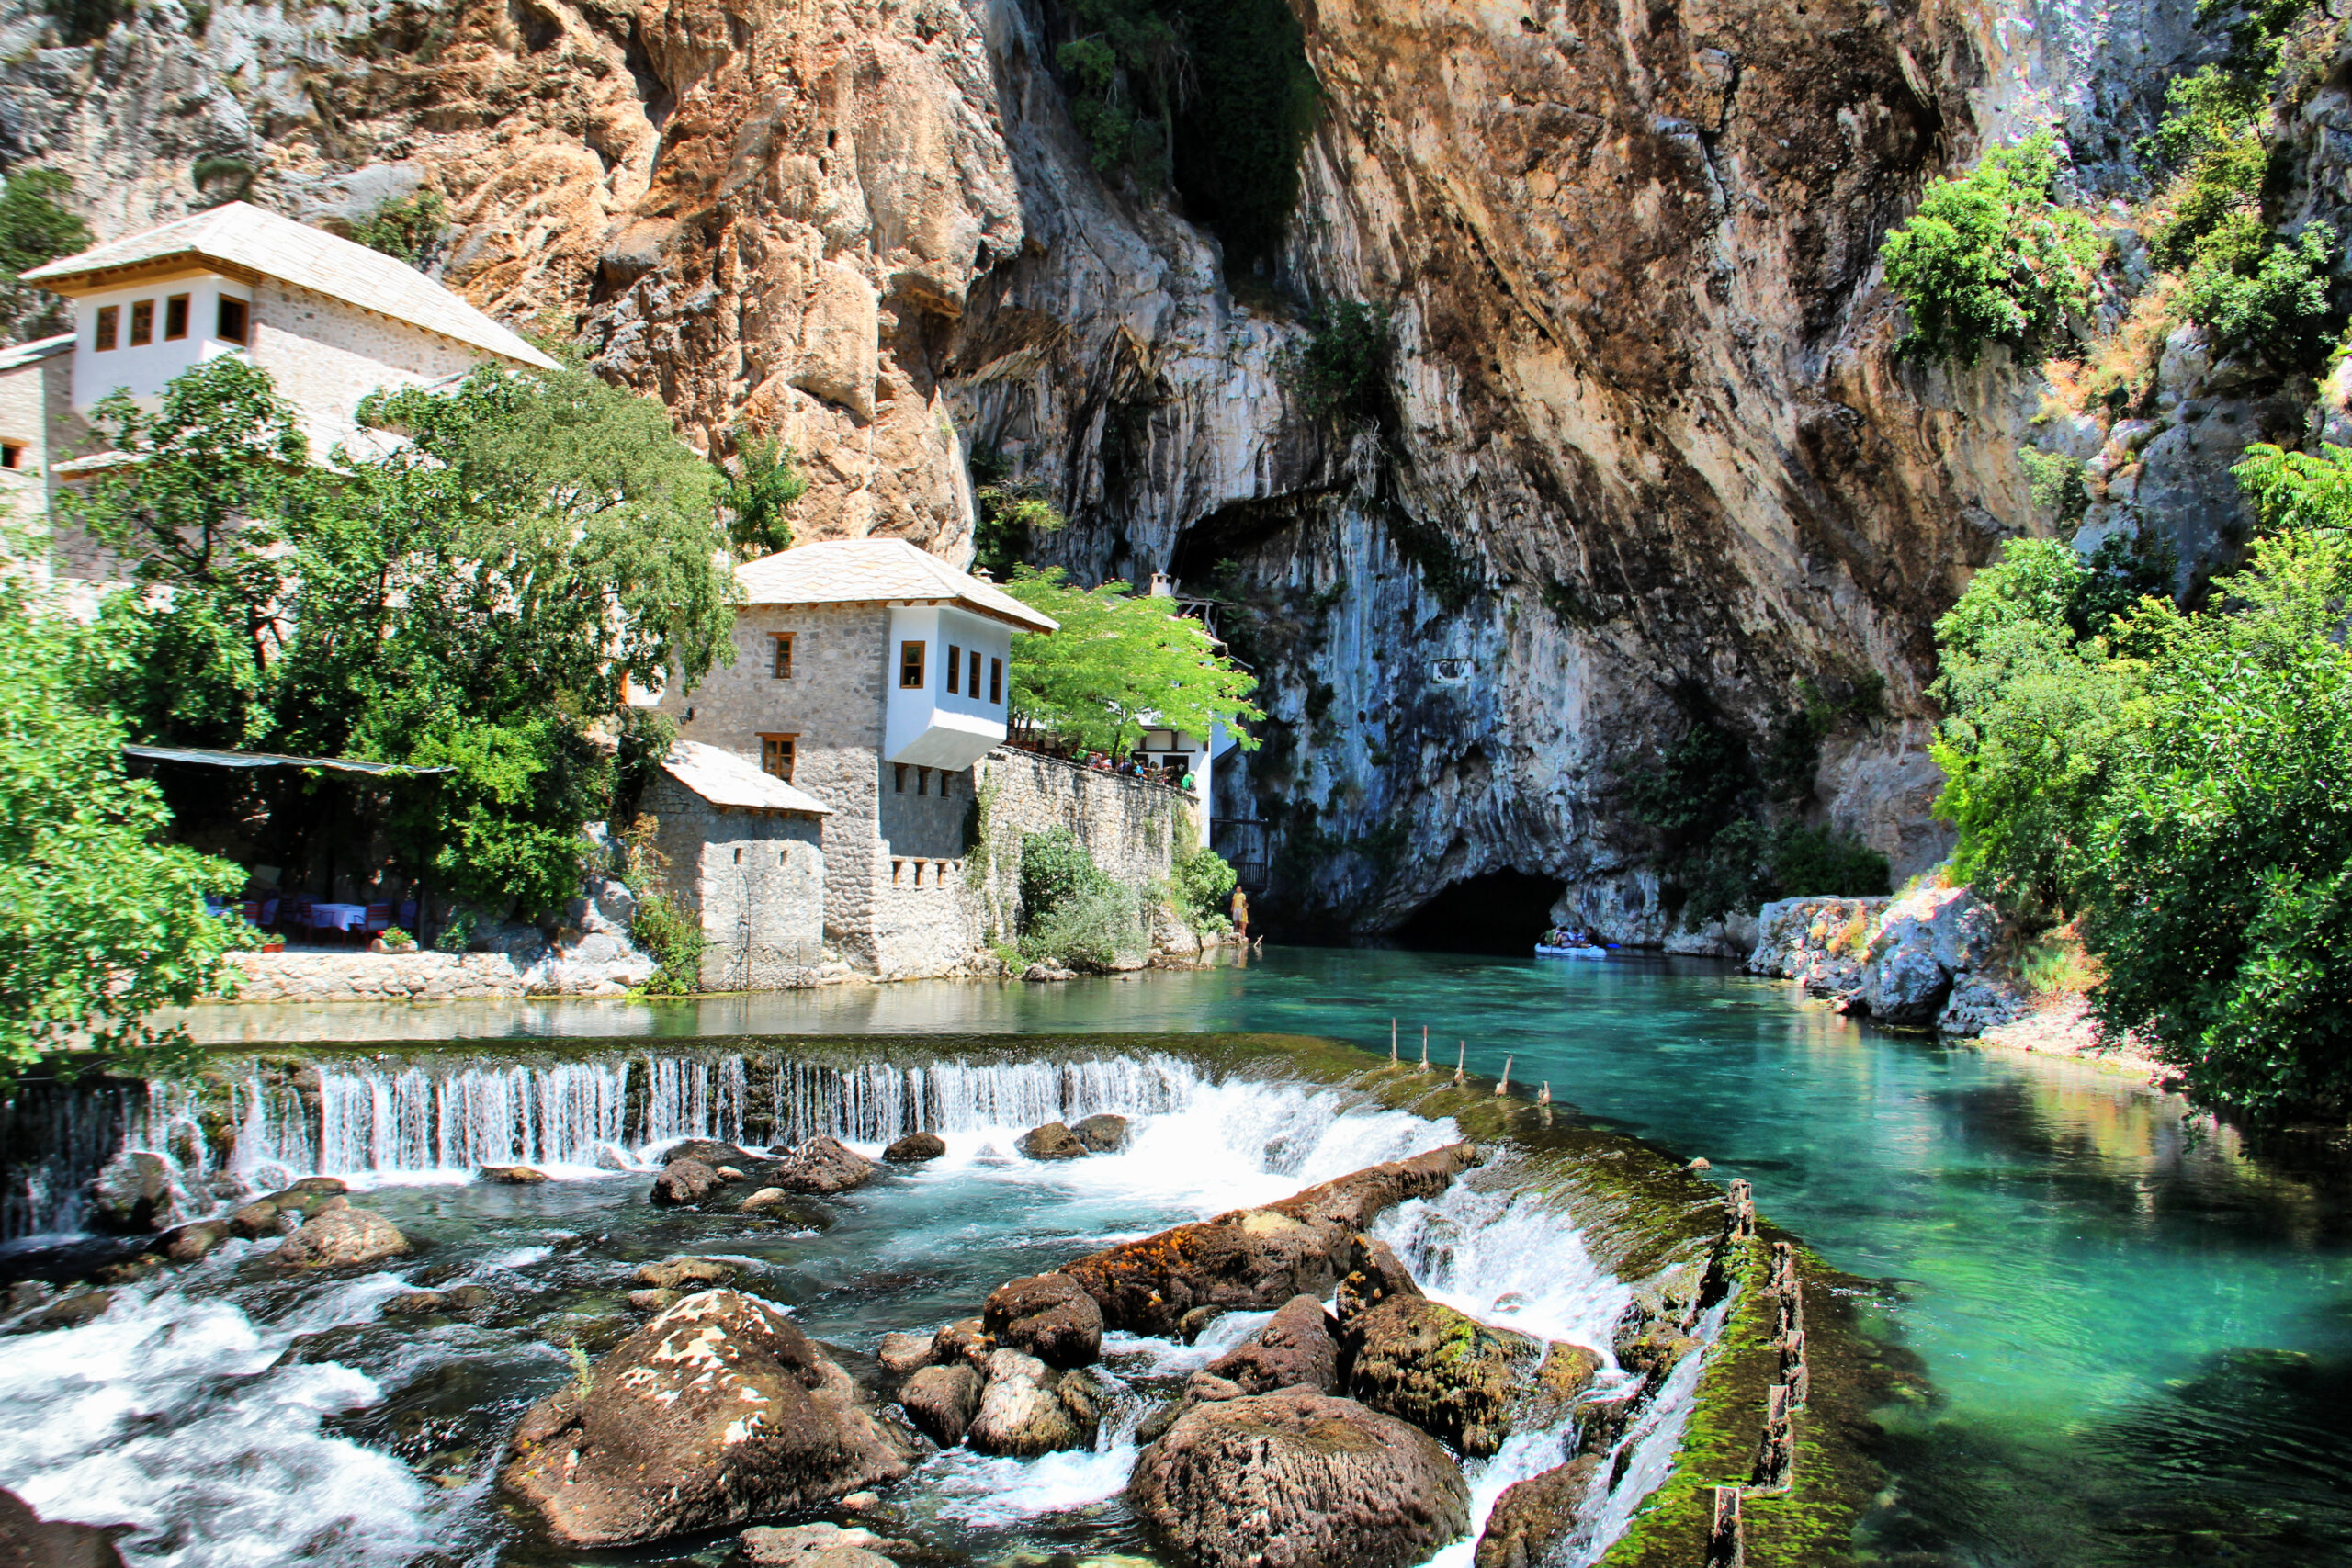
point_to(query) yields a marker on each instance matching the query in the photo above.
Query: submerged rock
(964, 1340)
(822, 1165)
(904, 1354)
(1049, 1315)
(132, 1195)
(70, 1312)
(1294, 1349)
(511, 1175)
(1103, 1133)
(704, 1151)
(27, 1541)
(341, 1238)
(1533, 1517)
(942, 1401)
(687, 1273)
(1255, 1259)
(192, 1243)
(816, 1546)
(1299, 1480)
(684, 1181)
(1052, 1141)
(766, 1198)
(915, 1148)
(718, 1411)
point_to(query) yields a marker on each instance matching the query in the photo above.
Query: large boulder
(688, 1273)
(192, 1242)
(1256, 1259)
(1052, 1141)
(1298, 1479)
(942, 1401)
(704, 1151)
(1466, 1381)
(511, 1175)
(27, 1541)
(1028, 1408)
(902, 1355)
(1533, 1517)
(1049, 1315)
(915, 1148)
(1103, 1134)
(822, 1165)
(1294, 1349)
(717, 1412)
(341, 1238)
(132, 1196)
(684, 1181)
(1926, 939)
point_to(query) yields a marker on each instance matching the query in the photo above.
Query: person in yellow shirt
(1241, 914)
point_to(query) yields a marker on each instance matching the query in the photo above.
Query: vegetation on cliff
(2173, 779)
(34, 228)
(474, 596)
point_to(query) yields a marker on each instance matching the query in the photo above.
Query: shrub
(1054, 869)
(406, 228)
(2056, 483)
(1202, 882)
(1340, 370)
(761, 494)
(1088, 929)
(1991, 257)
(2268, 299)
(1809, 861)
(673, 939)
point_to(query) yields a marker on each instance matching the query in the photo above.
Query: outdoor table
(338, 917)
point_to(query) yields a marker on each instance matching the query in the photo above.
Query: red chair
(378, 919)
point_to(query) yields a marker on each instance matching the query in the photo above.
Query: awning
(205, 757)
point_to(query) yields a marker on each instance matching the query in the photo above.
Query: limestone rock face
(1297, 1477)
(1647, 425)
(1049, 1315)
(1254, 1259)
(1294, 1349)
(822, 1165)
(1923, 940)
(341, 1238)
(718, 1411)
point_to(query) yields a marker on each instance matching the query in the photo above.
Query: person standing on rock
(1241, 914)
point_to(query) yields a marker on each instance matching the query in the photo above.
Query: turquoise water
(2139, 1336)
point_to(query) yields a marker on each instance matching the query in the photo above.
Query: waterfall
(53, 1138)
(877, 1102)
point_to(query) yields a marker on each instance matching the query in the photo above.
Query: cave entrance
(1502, 911)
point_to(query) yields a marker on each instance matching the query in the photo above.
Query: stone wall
(756, 880)
(326, 354)
(361, 976)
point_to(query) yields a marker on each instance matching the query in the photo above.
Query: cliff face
(1648, 449)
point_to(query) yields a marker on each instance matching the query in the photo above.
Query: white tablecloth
(338, 917)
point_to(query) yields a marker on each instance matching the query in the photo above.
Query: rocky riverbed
(1200, 1314)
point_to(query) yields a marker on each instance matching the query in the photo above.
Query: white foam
(175, 1417)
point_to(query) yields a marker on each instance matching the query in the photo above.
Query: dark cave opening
(1501, 911)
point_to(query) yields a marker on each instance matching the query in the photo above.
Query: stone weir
(1721, 1413)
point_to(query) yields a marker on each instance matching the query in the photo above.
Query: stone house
(331, 320)
(874, 676)
(743, 851)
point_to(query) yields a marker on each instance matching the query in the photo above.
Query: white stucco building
(331, 320)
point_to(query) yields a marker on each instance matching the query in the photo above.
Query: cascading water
(233, 1412)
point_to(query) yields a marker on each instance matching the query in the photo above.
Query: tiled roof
(25, 354)
(857, 571)
(242, 236)
(724, 779)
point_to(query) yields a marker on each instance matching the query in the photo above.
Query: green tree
(2269, 300)
(101, 922)
(1992, 256)
(1117, 662)
(1340, 370)
(406, 228)
(759, 496)
(34, 228)
(1012, 512)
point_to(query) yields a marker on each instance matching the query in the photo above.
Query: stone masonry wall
(326, 354)
(757, 881)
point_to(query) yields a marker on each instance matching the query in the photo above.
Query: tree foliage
(1992, 256)
(1117, 663)
(406, 228)
(1340, 370)
(2172, 779)
(760, 494)
(475, 596)
(101, 922)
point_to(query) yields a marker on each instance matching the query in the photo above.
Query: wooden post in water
(1504, 1086)
(1392, 1042)
(1461, 1061)
(1776, 1454)
(1545, 1097)
(1425, 1047)
(1727, 1544)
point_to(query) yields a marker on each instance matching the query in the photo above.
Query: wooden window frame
(911, 659)
(780, 658)
(788, 744)
(142, 322)
(240, 313)
(175, 307)
(996, 683)
(954, 670)
(12, 455)
(107, 329)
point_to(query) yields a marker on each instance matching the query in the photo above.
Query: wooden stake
(1503, 1087)
(1545, 1097)
(1425, 1047)
(1461, 1060)
(1392, 1042)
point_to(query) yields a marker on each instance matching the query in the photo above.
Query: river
(2138, 1336)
